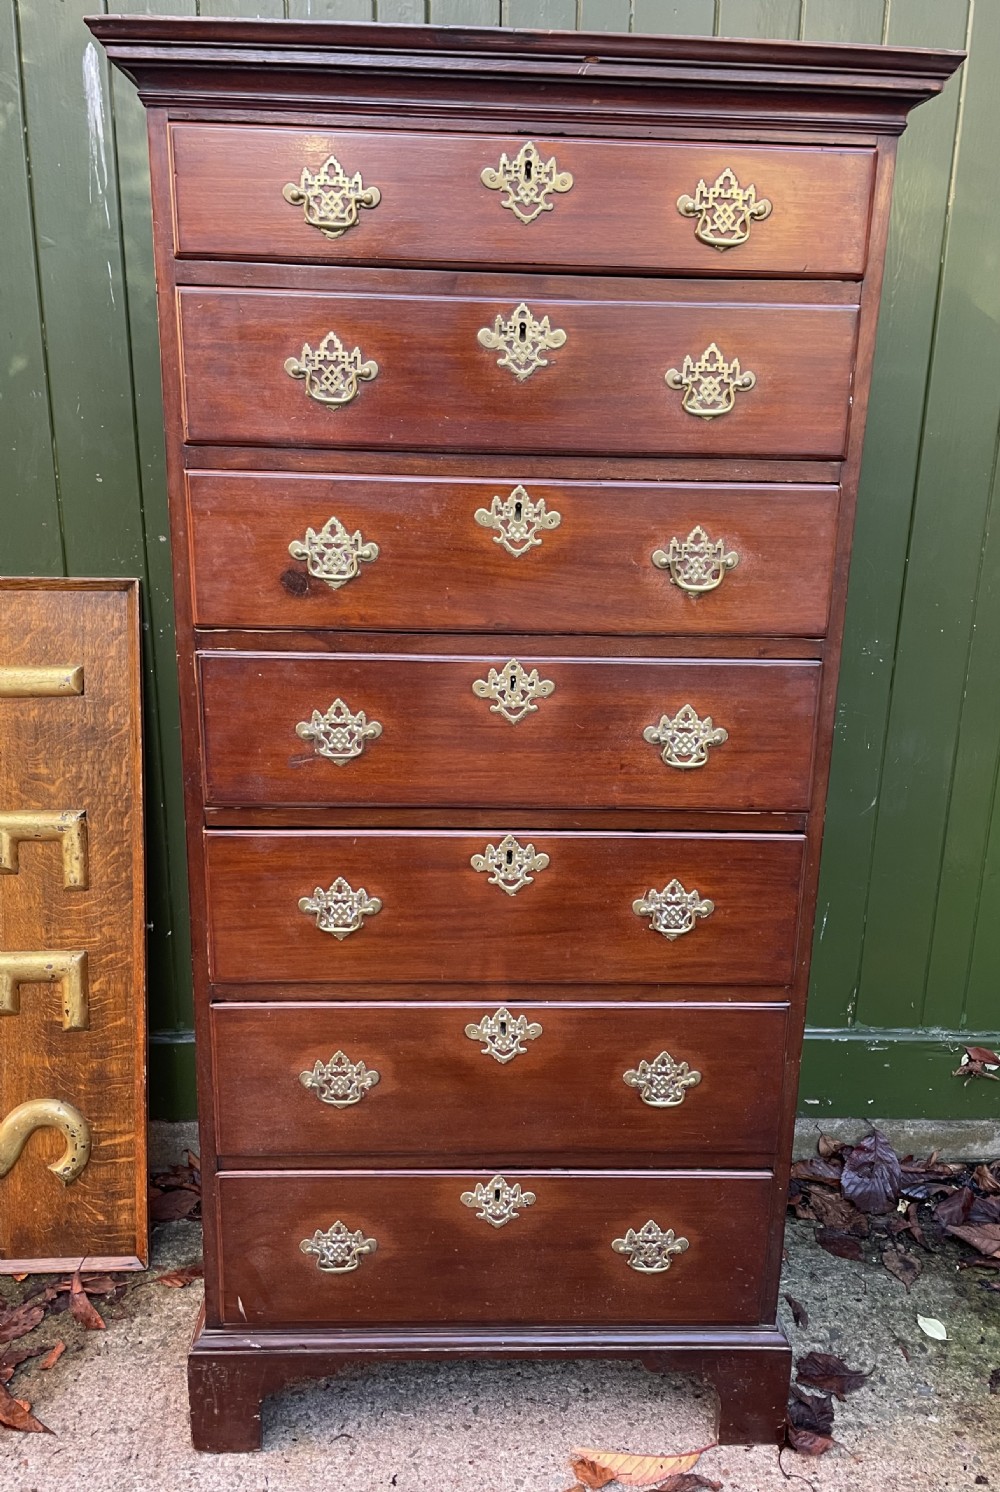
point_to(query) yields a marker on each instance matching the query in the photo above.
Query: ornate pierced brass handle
(333, 555)
(527, 181)
(329, 198)
(651, 1249)
(685, 738)
(338, 734)
(338, 1250)
(517, 520)
(724, 210)
(331, 373)
(521, 339)
(709, 383)
(696, 564)
(339, 1082)
(496, 1202)
(503, 1033)
(513, 690)
(46, 1113)
(510, 864)
(663, 1082)
(673, 910)
(340, 910)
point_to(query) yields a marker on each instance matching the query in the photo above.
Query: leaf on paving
(689, 1481)
(995, 1381)
(178, 1278)
(985, 1180)
(842, 1245)
(14, 1357)
(16, 1414)
(19, 1321)
(984, 1210)
(953, 1210)
(817, 1169)
(81, 1309)
(932, 1327)
(52, 1357)
(810, 1411)
(977, 1062)
(100, 1284)
(834, 1211)
(906, 1267)
(829, 1373)
(827, 1146)
(597, 1468)
(799, 1313)
(168, 1206)
(982, 1236)
(872, 1174)
(807, 1442)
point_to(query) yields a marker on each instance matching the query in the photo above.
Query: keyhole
(527, 169)
(512, 683)
(517, 511)
(522, 331)
(503, 1028)
(496, 1194)
(510, 857)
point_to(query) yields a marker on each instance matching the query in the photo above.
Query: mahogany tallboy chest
(515, 388)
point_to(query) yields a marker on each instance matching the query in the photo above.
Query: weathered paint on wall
(907, 956)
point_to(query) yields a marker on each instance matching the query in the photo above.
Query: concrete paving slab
(925, 1422)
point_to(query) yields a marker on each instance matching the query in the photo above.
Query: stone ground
(116, 1402)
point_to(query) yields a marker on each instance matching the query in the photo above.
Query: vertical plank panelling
(402, 12)
(885, 500)
(465, 12)
(984, 973)
(267, 9)
(67, 106)
(674, 17)
(551, 15)
(604, 15)
(845, 20)
(329, 10)
(957, 457)
(31, 541)
(780, 18)
(169, 933)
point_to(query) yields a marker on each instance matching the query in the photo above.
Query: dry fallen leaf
(831, 1374)
(168, 1206)
(872, 1175)
(597, 1468)
(12, 1359)
(80, 1307)
(905, 1267)
(983, 1236)
(842, 1245)
(932, 1327)
(799, 1313)
(51, 1358)
(178, 1278)
(19, 1321)
(16, 1414)
(689, 1481)
(808, 1442)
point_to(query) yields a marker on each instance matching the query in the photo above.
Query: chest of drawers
(514, 390)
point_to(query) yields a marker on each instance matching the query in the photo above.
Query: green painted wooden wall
(907, 960)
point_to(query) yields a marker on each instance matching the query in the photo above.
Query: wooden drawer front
(436, 1260)
(444, 920)
(438, 568)
(752, 728)
(438, 388)
(553, 1094)
(620, 210)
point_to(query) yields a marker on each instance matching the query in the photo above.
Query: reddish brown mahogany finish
(237, 110)
(440, 741)
(562, 1100)
(620, 212)
(439, 570)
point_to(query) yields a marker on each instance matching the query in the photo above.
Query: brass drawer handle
(340, 1082)
(724, 210)
(521, 339)
(696, 564)
(329, 198)
(517, 520)
(673, 910)
(509, 864)
(331, 373)
(338, 1250)
(46, 1113)
(685, 738)
(67, 825)
(503, 1034)
(497, 1202)
(338, 734)
(513, 690)
(709, 384)
(66, 967)
(22, 682)
(652, 1249)
(663, 1082)
(340, 909)
(333, 555)
(527, 180)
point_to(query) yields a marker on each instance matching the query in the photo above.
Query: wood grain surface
(434, 209)
(79, 752)
(440, 570)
